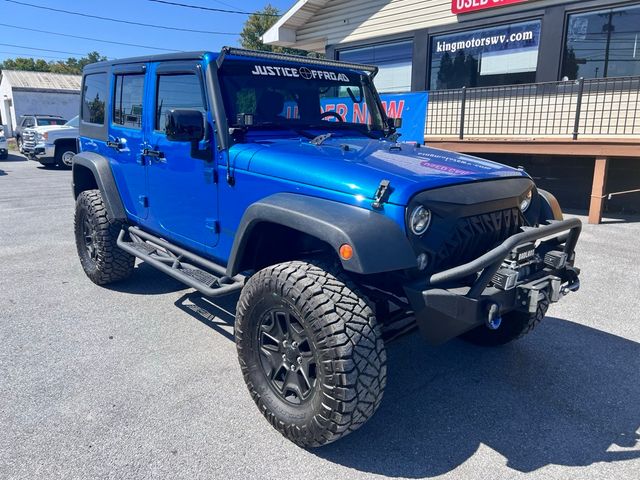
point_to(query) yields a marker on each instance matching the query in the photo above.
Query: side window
(180, 91)
(94, 94)
(127, 100)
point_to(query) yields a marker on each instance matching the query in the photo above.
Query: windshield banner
(411, 107)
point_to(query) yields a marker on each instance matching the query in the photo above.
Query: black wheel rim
(287, 356)
(89, 238)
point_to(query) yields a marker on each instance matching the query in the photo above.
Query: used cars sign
(466, 6)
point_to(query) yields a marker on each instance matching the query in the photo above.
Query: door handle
(117, 144)
(157, 154)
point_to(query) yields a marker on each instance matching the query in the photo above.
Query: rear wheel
(514, 325)
(311, 351)
(96, 241)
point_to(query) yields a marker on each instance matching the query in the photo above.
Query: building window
(181, 91)
(393, 59)
(127, 100)
(502, 55)
(605, 43)
(93, 98)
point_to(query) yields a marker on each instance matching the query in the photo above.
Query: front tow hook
(493, 319)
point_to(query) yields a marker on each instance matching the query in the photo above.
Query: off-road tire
(514, 325)
(346, 339)
(108, 263)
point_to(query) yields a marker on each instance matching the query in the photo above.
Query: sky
(13, 40)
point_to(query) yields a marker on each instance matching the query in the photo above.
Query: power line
(41, 49)
(108, 19)
(85, 38)
(210, 9)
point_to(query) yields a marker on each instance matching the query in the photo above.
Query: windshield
(73, 122)
(284, 96)
(45, 122)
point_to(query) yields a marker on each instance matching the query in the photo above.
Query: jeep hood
(356, 166)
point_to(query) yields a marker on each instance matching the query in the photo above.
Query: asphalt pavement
(140, 380)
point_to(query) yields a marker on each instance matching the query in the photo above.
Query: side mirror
(394, 122)
(184, 126)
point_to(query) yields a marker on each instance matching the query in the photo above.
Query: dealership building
(502, 74)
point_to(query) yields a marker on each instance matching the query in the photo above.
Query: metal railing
(593, 107)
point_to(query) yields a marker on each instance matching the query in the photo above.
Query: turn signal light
(346, 251)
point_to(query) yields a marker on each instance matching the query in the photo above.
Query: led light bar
(285, 57)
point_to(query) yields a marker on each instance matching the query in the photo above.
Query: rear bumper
(445, 310)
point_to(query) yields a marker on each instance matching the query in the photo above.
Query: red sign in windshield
(466, 6)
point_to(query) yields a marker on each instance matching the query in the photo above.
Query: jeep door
(126, 135)
(182, 188)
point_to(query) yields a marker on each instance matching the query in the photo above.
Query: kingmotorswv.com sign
(496, 55)
(485, 41)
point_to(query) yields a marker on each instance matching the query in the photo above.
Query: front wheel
(96, 240)
(64, 156)
(310, 350)
(19, 144)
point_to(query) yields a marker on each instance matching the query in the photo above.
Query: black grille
(473, 236)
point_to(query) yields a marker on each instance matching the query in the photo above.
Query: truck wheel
(64, 156)
(310, 350)
(514, 325)
(19, 144)
(96, 236)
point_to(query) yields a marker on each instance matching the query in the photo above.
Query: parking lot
(141, 380)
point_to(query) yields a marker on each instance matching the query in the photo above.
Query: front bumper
(39, 151)
(501, 282)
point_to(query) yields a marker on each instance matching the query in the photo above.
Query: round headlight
(420, 220)
(525, 202)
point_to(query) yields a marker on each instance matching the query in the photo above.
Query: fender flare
(379, 244)
(549, 207)
(103, 176)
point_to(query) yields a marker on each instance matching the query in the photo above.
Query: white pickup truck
(53, 145)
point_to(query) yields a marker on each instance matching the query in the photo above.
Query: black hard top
(147, 58)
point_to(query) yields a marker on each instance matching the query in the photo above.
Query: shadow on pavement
(565, 395)
(218, 316)
(609, 217)
(14, 157)
(146, 280)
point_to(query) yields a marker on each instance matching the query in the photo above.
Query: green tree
(257, 24)
(28, 64)
(71, 65)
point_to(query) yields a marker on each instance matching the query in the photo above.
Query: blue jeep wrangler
(225, 172)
